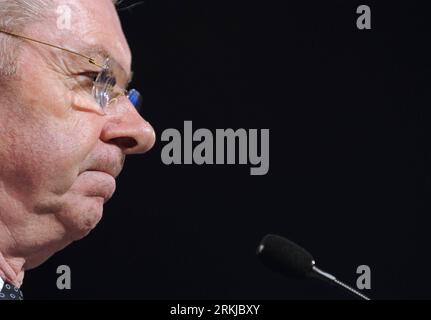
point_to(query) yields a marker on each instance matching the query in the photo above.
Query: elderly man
(66, 124)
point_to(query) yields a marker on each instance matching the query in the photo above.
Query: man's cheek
(40, 172)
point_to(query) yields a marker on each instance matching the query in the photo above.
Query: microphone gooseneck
(286, 257)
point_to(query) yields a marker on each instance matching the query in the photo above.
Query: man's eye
(87, 77)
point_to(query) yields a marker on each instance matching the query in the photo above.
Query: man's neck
(11, 270)
(11, 265)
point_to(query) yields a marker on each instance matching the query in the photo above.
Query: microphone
(288, 258)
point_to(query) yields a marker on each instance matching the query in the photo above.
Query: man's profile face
(59, 154)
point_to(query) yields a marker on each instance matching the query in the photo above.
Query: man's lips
(97, 184)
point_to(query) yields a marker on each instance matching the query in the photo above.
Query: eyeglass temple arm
(90, 60)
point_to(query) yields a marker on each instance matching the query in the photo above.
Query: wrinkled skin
(59, 153)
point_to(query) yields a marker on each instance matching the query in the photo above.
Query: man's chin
(71, 216)
(83, 216)
(84, 202)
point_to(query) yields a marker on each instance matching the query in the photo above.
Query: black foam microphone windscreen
(285, 256)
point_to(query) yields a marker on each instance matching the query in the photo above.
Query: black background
(349, 179)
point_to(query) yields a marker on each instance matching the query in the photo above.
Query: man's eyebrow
(96, 52)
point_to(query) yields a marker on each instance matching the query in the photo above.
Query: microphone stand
(317, 273)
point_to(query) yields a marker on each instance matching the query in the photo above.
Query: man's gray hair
(14, 16)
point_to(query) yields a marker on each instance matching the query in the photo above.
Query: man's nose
(126, 128)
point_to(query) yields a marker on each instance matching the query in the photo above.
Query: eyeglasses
(105, 90)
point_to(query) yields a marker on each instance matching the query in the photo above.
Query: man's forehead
(97, 33)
